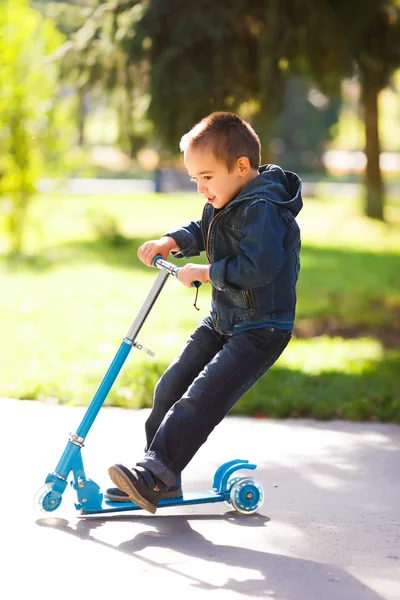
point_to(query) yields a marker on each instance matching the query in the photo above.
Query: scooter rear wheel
(246, 495)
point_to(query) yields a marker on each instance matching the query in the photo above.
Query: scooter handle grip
(160, 263)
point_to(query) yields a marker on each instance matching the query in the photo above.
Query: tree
(227, 54)
(69, 18)
(219, 56)
(326, 42)
(99, 58)
(197, 58)
(30, 133)
(201, 58)
(208, 55)
(377, 53)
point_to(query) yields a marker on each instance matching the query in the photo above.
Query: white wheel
(230, 483)
(46, 500)
(246, 495)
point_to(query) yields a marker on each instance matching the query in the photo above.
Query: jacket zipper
(208, 238)
(250, 300)
(202, 231)
(206, 241)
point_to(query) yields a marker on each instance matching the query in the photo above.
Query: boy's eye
(205, 177)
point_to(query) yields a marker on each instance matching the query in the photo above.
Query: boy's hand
(152, 248)
(191, 272)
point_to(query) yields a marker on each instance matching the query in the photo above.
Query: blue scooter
(242, 493)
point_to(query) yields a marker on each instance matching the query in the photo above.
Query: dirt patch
(388, 335)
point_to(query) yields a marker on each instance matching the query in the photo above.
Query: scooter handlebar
(160, 263)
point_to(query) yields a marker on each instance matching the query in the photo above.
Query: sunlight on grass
(339, 223)
(331, 354)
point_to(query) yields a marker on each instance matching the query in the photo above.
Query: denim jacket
(253, 246)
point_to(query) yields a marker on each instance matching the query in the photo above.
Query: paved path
(329, 528)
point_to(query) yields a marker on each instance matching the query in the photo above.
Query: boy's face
(214, 181)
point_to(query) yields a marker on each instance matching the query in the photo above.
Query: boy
(252, 242)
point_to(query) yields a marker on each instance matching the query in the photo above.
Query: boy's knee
(167, 390)
(160, 395)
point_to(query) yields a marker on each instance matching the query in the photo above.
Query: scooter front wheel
(46, 500)
(246, 495)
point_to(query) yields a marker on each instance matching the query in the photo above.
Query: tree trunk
(17, 222)
(374, 193)
(81, 116)
(271, 82)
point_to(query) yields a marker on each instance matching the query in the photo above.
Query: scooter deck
(187, 499)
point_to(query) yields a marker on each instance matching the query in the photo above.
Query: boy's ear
(243, 164)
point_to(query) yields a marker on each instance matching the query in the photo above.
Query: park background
(94, 97)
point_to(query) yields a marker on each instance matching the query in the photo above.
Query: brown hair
(227, 136)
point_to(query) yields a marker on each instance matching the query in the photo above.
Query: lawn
(67, 306)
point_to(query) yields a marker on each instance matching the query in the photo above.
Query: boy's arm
(171, 244)
(188, 239)
(262, 251)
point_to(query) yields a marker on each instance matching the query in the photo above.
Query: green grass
(65, 309)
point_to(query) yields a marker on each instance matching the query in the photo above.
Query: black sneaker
(139, 485)
(117, 495)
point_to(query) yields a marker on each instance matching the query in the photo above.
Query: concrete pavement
(329, 528)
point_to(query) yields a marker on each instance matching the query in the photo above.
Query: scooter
(242, 493)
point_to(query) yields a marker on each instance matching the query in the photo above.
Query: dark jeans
(198, 390)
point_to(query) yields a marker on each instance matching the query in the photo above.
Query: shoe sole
(169, 495)
(123, 482)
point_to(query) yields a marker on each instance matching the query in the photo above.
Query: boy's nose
(201, 187)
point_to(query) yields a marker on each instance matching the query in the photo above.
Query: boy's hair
(227, 136)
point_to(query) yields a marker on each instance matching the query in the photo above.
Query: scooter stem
(76, 441)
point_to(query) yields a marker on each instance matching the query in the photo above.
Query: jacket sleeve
(262, 252)
(189, 240)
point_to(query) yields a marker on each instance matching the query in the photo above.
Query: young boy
(252, 242)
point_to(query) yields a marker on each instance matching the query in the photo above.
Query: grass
(67, 306)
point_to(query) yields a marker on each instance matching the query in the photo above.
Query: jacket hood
(280, 187)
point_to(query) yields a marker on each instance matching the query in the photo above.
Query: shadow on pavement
(278, 575)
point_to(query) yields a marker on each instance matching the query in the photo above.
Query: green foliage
(237, 57)
(329, 41)
(106, 228)
(30, 119)
(353, 381)
(201, 59)
(175, 61)
(241, 56)
(303, 128)
(136, 385)
(376, 43)
(69, 16)
(100, 58)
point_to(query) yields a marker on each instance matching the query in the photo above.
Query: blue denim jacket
(253, 245)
